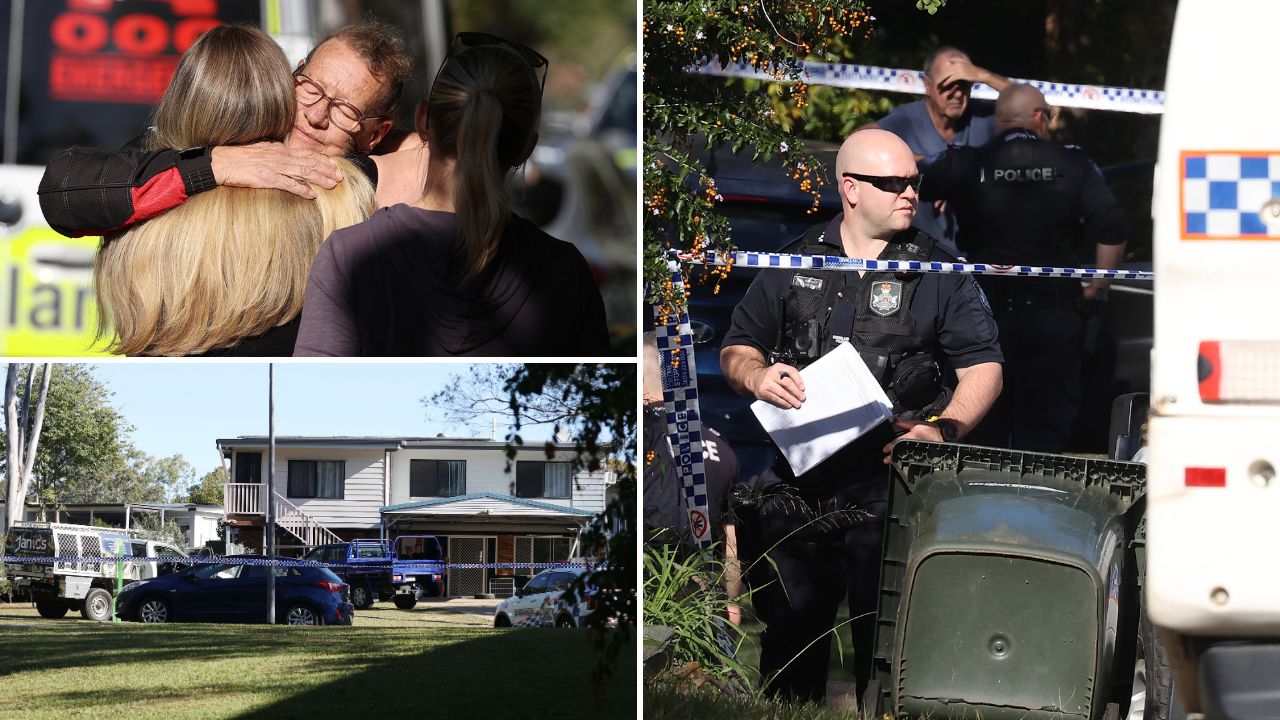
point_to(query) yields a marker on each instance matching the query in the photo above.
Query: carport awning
(486, 507)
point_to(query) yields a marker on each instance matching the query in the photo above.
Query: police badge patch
(886, 296)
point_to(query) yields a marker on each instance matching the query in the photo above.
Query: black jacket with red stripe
(88, 191)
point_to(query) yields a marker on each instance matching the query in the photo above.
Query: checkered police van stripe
(868, 77)
(680, 395)
(830, 262)
(1230, 195)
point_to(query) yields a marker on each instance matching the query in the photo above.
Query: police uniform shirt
(914, 125)
(664, 497)
(949, 311)
(1020, 200)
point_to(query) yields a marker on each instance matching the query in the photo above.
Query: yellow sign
(47, 307)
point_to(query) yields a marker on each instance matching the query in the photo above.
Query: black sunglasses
(466, 40)
(889, 183)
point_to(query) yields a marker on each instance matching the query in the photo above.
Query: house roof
(390, 443)
(482, 503)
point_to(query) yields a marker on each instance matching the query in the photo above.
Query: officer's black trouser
(1037, 409)
(798, 593)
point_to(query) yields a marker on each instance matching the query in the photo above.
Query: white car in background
(540, 603)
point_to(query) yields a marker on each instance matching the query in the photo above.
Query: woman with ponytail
(456, 273)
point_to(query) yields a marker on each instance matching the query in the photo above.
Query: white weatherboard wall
(362, 489)
(486, 473)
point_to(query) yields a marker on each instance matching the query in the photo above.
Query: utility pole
(270, 528)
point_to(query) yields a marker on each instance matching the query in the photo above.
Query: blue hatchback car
(236, 592)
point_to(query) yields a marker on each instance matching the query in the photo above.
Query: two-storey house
(485, 508)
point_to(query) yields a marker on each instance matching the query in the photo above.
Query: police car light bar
(1239, 371)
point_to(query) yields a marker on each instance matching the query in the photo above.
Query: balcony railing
(243, 499)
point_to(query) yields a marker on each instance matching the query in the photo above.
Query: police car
(540, 602)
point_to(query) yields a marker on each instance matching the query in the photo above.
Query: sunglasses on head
(889, 183)
(464, 41)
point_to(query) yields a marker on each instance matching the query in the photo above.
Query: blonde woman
(224, 272)
(456, 273)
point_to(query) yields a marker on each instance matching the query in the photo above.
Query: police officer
(902, 325)
(1023, 200)
(666, 520)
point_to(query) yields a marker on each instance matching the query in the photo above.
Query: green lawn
(428, 662)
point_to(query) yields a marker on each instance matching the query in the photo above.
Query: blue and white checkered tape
(1230, 195)
(870, 77)
(281, 562)
(680, 396)
(834, 262)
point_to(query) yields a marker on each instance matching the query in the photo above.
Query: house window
(317, 478)
(536, 479)
(437, 478)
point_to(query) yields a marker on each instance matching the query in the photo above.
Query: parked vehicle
(236, 591)
(364, 565)
(1214, 593)
(74, 567)
(417, 569)
(1011, 587)
(541, 602)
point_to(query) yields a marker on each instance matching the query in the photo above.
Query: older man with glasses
(347, 90)
(944, 118)
(1025, 200)
(909, 329)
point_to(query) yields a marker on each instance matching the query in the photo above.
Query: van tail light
(330, 586)
(1206, 477)
(1239, 371)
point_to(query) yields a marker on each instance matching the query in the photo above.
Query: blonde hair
(228, 263)
(225, 265)
(483, 112)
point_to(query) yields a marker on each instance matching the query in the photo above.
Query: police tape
(276, 562)
(742, 258)
(680, 400)
(870, 77)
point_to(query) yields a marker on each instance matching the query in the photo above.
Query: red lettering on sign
(188, 30)
(138, 34)
(110, 78)
(698, 524)
(90, 5)
(182, 8)
(78, 32)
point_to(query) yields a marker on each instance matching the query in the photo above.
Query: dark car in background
(766, 211)
(235, 591)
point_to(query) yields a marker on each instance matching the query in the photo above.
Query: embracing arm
(88, 191)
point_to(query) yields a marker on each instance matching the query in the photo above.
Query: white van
(1213, 521)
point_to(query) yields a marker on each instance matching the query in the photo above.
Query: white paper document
(842, 402)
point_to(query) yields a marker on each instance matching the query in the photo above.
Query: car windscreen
(418, 548)
(369, 551)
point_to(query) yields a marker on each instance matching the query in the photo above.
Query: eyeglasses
(889, 183)
(466, 40)
(341, 113)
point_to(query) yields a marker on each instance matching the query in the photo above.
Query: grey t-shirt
(912, 123)
(391, 286)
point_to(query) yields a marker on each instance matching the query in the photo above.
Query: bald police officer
(903, 326)
(1025, 200)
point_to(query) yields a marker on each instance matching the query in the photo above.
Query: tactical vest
(823, 308)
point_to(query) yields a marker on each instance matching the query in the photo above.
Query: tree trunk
(13, 461)
(22, 440)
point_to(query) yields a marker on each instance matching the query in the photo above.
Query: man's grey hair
(944, 50)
